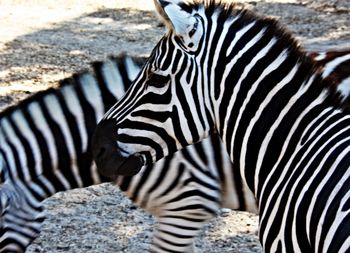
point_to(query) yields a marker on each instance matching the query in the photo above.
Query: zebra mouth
(120, 166)
(130, 166)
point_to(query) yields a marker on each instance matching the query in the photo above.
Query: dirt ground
(42, 41)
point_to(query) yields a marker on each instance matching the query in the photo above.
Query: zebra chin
(119, 166)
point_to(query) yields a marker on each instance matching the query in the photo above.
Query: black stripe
(61, 145)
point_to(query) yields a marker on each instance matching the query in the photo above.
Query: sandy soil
(42, 41)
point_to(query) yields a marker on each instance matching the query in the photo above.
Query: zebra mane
(72, 81)
(227, 10)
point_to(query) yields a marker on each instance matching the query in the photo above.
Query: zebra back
(45, 144)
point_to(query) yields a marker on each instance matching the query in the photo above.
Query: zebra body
(45, 148)
(43, 152)
(111, 79)
(226, 70)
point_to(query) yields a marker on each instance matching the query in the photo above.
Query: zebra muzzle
(119, 166)
(110, 163)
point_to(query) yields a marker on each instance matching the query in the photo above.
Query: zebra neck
(266, 89)
(266, 134)
(260, 84)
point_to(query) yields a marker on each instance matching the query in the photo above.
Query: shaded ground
(42, 41)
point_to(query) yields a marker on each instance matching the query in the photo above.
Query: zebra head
(152, 120)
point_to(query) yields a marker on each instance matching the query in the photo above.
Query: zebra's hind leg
(176, 232)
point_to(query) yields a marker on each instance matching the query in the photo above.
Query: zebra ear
(177, 19)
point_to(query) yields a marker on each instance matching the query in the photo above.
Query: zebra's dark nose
(107, 157)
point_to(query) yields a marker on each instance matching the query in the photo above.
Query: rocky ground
(42, 41)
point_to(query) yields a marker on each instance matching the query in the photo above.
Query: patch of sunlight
(76, 52)
(97, 20)
(4, 73)
(54, 77)
(270, 1)
(140, 27)
(109, 23)
(20, 17)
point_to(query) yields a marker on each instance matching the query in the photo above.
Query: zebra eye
(157, 80)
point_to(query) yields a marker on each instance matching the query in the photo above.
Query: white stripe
(283, 150)
(22, 239)
(113, 79)
(291, 195)
(321, 56)
(239, 35)
(346, 245)
(330, 66)
(319, 188)
(28, 196)
(229, 69)
(115, 111)
(273, 66)
(132, 148)
(57, 115)
(218, 50)
(262, 151)
(185, 128)
(8, 152)
(42, 125)
(340, 214)
(71, 99)
(344, 88)
(131, 68)
(94, 174)
(93, 95)
(27, 133)
(13, 139)
(276, 205)
(47, 184)
(37, 189)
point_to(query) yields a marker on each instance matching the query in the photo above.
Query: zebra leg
(176, 229)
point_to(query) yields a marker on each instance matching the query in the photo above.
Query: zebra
(45, 145)
(110, 79)
(224, 70)
(335, 66)
(45, 148)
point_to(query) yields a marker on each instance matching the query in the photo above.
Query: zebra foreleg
(176, 231)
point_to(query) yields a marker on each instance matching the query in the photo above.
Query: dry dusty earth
(42, 41)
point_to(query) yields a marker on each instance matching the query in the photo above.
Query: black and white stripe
(226, 70)
(336, 68)
(45, 148)
(111, 79)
